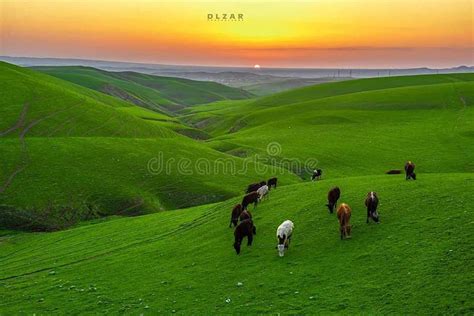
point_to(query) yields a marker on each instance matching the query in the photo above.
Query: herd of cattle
(241, 218)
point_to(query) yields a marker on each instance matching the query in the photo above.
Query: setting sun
(256, 66)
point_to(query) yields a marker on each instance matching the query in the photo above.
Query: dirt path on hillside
(20, 125)
(182, 228)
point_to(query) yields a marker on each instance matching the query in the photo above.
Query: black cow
(272, 183)
(410, 171)
(317, 173)
(372, 201)
(244, 229)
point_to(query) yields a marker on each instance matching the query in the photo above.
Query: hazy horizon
(232, 66)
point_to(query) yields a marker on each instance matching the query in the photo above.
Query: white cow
(262, 191)
(284, 232)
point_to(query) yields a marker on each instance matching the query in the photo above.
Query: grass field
(74, 146)
(417, 261)
(272, 87)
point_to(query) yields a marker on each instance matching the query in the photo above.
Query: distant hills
(258, 81)
(163, 94)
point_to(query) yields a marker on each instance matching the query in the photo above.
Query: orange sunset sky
(317, 33)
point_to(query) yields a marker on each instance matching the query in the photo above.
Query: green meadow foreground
(417, 261)
(71, 153)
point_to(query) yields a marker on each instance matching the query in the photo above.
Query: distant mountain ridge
(290, 72)
(263, 81)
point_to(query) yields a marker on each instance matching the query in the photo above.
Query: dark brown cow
(410, 171)
(234, 217)
(244, 229)
(254, 186)
(372, 201)
(272, 183)
(333, 196)
(250, 198)
(344, 217)
(245, 215)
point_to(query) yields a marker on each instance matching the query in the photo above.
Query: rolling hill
(353, 128)
(78, 150)
(70, 153)
(162, 94)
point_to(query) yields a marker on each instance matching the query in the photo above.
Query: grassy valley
(71, 152)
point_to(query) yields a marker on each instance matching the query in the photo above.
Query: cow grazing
(344, 217)
(263, 192)
(245, 215)
(254, 186)
(410, 171)
(244, 229)
(284, 233)
(272, 183)
(234, 217)
(333, 196)
(372, 201)
(317, 173)
(250, 198)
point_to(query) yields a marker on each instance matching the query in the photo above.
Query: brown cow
(344, 216)
(254, 186)
(244, 229)
(250, 198)
(245, 215)
(333, 196)
(410, 171)
(234, 217)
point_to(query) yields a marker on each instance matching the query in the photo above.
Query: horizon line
(233, 66)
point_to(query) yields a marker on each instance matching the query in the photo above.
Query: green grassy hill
(272, 87)
(69, 152)
(417, 261)
(428, 119)
(163, 94)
